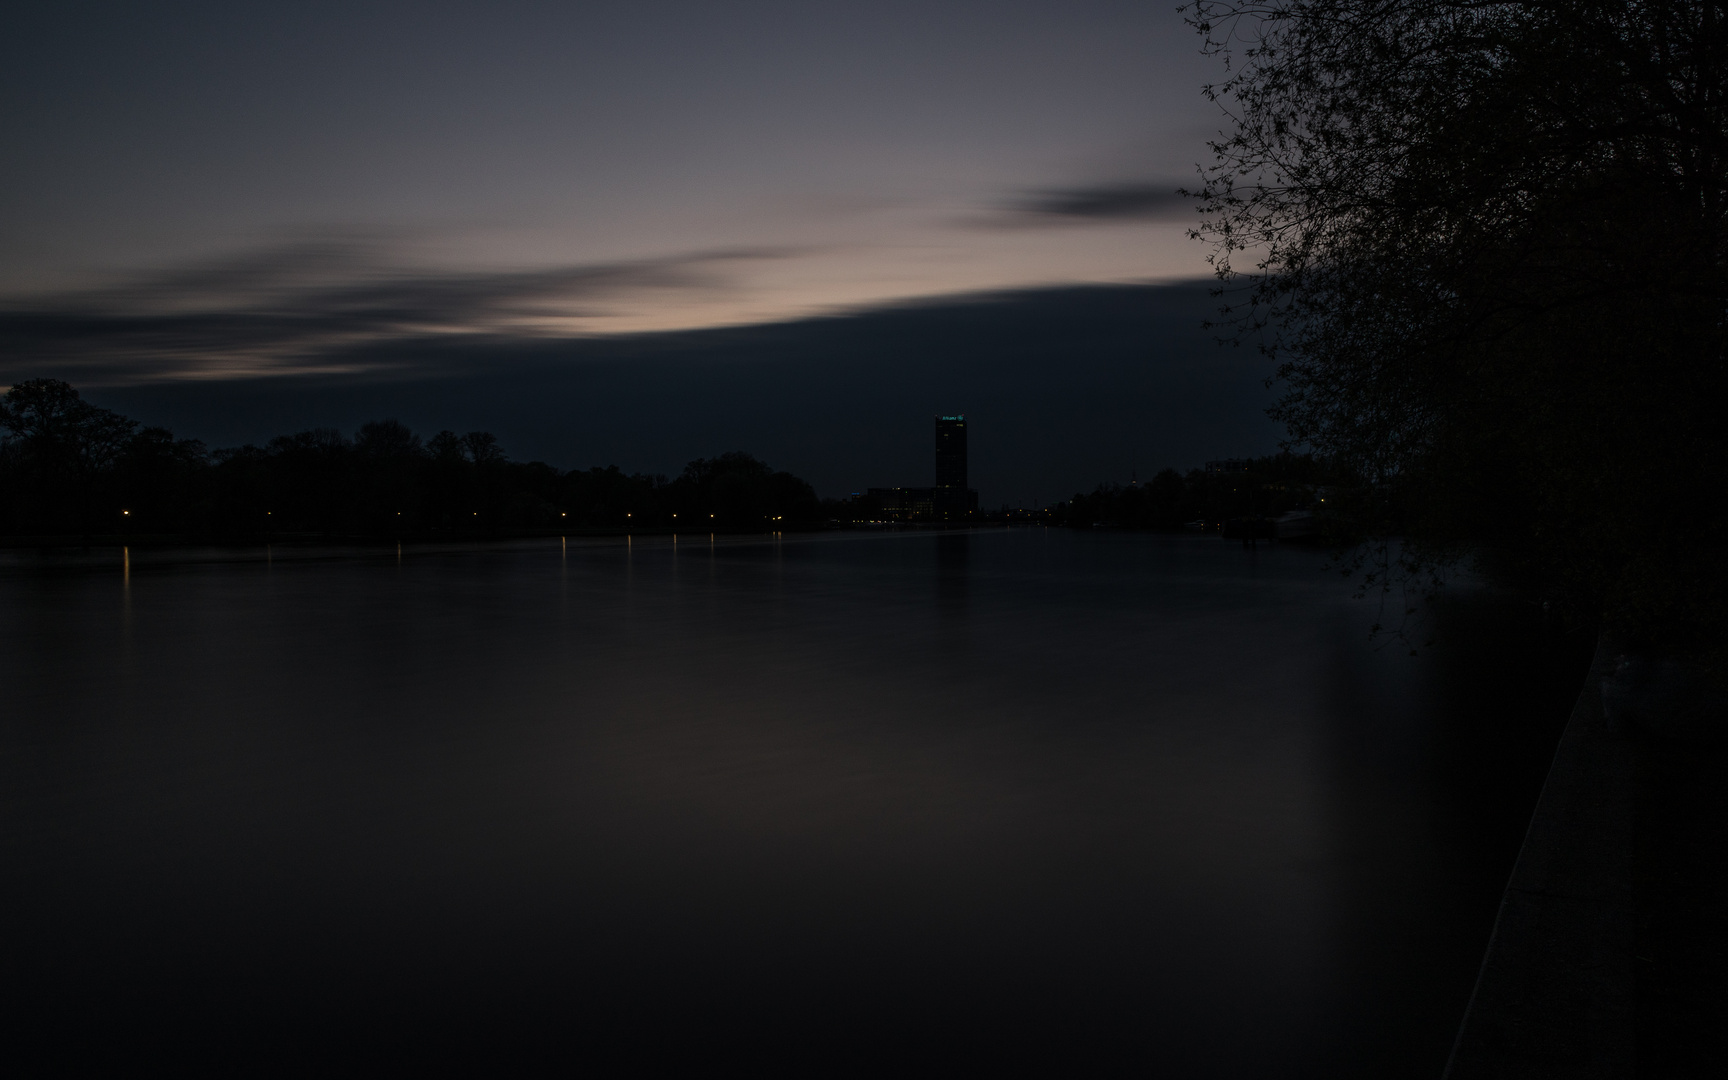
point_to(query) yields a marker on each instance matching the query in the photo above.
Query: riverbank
(1610, 953)
(313, 539)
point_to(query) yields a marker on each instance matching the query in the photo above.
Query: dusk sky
(241, 221)
(321, 174)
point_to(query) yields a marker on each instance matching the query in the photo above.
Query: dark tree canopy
(59, 447)
(1486, 244)
(736, 490)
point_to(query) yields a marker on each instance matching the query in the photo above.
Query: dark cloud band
(307, 308)
(1095, 203)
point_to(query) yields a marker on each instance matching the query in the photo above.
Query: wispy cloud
(304, 308)
(1155, 200)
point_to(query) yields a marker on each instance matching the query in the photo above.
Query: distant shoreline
(158, 541)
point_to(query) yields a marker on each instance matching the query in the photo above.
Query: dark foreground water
(1106, 802)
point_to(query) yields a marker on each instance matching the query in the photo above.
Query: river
(1102, 802)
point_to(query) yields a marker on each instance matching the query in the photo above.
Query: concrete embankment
(1555, 994)
(1610, 954)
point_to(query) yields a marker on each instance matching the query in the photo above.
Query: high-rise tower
(951, 451)
(953, 499)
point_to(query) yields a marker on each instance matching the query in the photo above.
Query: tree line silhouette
(71, 469)
(1262, 489)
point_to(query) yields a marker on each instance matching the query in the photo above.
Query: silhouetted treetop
(482, 448)
(733, 463)
(58, 428)
(387, 438)
(734, 490)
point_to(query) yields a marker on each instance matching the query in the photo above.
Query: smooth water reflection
(1109, 800)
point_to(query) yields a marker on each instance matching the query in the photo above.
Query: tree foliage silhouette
(1485, 243)
(60, 446)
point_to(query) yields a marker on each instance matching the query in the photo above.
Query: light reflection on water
(1109, 799)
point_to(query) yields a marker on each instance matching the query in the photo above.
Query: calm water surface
(1122, 803)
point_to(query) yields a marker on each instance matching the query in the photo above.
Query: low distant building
(922, 504)
(904, 504)
(1228, 465)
